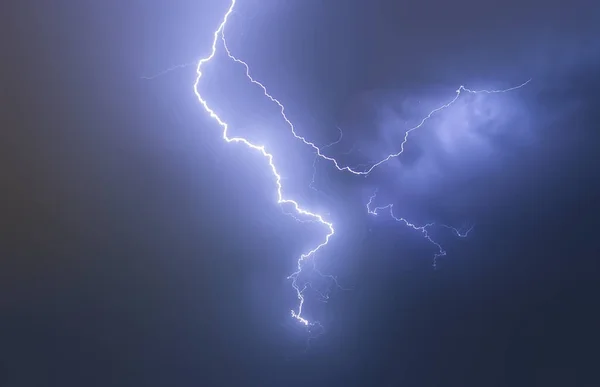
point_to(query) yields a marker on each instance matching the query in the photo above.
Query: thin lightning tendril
(423, 229)
(170, 69)
(312, 183)
(319, 151)
(281, 199)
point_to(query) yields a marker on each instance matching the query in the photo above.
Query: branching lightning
(423, 229)
(281, 199)
(319, 151)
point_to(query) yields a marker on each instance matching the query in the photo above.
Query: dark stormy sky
(139, 249)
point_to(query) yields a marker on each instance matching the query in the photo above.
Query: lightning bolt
(319, 151)
(281, 199)
(219, 34)
(423, 229)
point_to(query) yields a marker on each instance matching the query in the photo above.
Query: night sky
(137, 248)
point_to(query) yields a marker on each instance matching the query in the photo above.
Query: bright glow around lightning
(297, 314)
(284, 200)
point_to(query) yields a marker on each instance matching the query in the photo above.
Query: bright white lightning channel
(281, 199)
